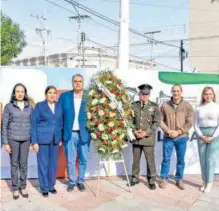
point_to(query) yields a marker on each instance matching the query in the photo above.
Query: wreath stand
(109, 161)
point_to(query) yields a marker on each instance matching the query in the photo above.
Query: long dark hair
(13, 98)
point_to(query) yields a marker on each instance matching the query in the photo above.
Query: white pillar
(123, 54)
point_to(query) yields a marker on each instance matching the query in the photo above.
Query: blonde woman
(207, 129)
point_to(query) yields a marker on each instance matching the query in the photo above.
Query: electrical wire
(114, 22)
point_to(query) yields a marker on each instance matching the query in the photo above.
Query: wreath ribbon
(112, 98)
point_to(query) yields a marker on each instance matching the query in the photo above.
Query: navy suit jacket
(67, 103)
(46, 126)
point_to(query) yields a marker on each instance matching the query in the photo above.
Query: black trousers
(19, 157)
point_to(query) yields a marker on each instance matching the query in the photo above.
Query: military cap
(145, 89)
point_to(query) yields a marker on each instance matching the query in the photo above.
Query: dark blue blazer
(46, 126)
(67, 103)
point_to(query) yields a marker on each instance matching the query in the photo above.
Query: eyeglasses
(144, 94)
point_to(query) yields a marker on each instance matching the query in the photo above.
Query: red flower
(104, 105)
(122, 124)
(105, 142)
(97, 109)
(97, 123)
(103, 94)
(109, 129)
(98, 134)
(92, 118)
(113, 128)
(112, 91)
(118, 94)
(90, 109)
(115, 137)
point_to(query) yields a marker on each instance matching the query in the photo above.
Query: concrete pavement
(114, 196)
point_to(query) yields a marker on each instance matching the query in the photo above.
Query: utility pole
(78, 19)
(183, 55)
(151, 41)
(43, 33)
(123, 53)
(82, 48)
(99, 58)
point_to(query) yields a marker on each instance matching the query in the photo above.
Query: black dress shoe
(132, 183)
(15, 197)
(70, 187)
(45, 194)
(25, 195)
(54, 191)
(81, 187)
(152, 186)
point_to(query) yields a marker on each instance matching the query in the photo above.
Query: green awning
(188, 78)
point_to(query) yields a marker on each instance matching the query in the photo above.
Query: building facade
(91, 58)
(204, 35)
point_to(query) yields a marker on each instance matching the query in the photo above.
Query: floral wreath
(107, 126)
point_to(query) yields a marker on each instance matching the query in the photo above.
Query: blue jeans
(72, 148)
(208, 155)
(180, 147)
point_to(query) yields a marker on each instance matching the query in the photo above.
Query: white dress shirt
(52, 107)
(77, 105)
(207, 115)
(20, 104)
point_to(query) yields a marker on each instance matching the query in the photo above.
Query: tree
(12, 39)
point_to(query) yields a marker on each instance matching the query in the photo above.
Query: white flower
(94, 102)
(120, 104)
(115, 151)
(109, 82)
(102, 100)
(113, 142)
(88, 115)
(112, 114)
(101, 149)
(112, 105)
(114, 132)
(111, 124)
(119, 87)
(101, 127)
(121, 136)
(91, 93)
(105, 137)
(93, 135)
(101, 112)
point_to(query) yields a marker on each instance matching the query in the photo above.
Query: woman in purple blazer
(46, 134)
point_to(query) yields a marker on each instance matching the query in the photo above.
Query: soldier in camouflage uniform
(146, 120)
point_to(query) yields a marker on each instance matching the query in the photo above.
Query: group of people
(43, 128)
(175, 117)
(48, 124)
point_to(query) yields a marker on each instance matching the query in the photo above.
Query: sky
(171, 17)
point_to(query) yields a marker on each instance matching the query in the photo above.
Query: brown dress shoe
(163, 184)
(180, 185)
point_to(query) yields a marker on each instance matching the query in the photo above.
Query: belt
(77, 131)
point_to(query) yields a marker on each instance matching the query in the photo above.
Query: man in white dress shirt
(76, 138)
